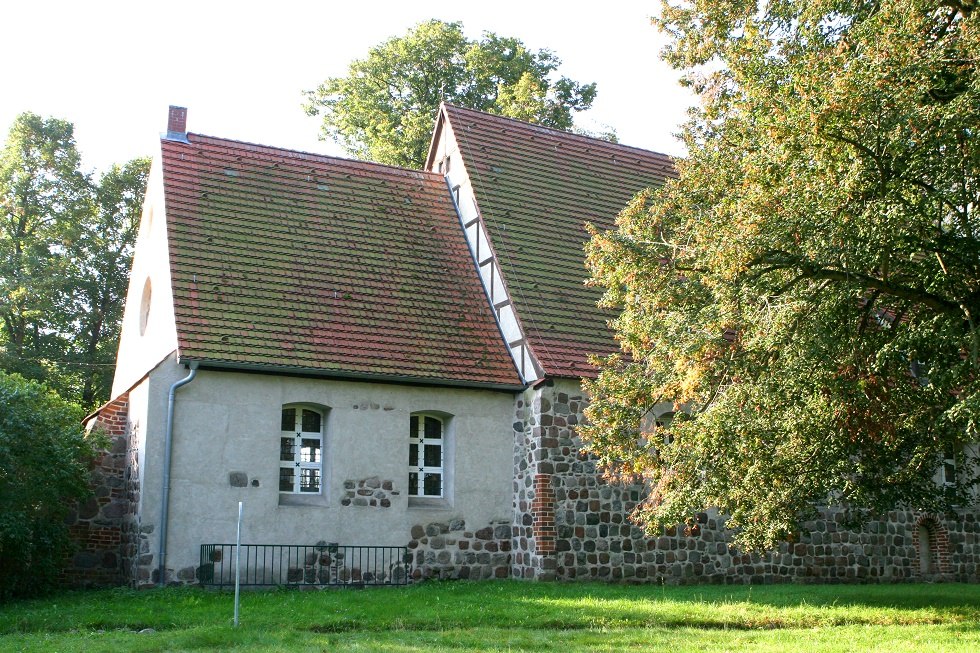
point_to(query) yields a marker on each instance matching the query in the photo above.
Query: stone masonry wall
(451, 551)
(570, 523)
(368, 492)
(99, 526)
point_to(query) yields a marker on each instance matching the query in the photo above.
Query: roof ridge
(560, 132)
(272, 150)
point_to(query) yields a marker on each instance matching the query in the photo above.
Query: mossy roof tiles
(536, 188)
(293, 261)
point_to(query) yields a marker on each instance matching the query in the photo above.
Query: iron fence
(315, 565)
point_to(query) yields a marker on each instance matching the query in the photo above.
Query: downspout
(165, 495)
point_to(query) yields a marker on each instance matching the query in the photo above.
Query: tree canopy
(383, 110)
(807, 292)
(66, 242)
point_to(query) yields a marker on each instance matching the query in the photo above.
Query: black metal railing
(315, 565)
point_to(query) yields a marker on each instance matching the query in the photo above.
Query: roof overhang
(342, 375)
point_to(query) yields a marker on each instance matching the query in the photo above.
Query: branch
(810, 271)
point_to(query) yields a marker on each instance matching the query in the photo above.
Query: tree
(65, 248)
(43, 198)
(44, 457)
(383, 109)
(100, 275)
(807, 292)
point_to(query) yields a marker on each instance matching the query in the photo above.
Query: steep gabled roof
(288, 261)
(536, 188)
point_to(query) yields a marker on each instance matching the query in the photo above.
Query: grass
(506, 616)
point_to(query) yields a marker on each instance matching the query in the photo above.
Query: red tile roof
(297, 262)
(536, 188)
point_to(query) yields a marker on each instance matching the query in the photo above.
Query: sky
(113, 67)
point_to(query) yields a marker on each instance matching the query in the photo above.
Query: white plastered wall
(142, 349)
(230, 422)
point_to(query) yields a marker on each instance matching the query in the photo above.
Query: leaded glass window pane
(433, 428)
(310, 452)
(949, 472)
(286, 478)
(309, 480)
(287, 449)
(413, 454)
(311, 421)
(413, 483)
(288, 419)
(433, 485)
(433, 455)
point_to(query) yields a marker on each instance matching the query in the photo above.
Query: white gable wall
(142, 349)
(445, 146)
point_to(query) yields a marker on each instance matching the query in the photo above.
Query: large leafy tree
(66, 243)
(100, 275)
(383, 109)
(44, 198)
(807, 292)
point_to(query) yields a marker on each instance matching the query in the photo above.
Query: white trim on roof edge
(445, 147)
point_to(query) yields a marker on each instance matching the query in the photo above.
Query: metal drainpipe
(165, 500)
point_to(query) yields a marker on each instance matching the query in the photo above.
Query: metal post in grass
(238, 562)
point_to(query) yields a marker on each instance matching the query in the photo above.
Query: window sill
(429, 503)
(303, 499)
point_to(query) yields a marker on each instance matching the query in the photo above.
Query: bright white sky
(113, 67)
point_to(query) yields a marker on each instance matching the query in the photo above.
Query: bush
(44, 458)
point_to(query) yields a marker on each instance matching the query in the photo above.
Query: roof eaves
(310, 372)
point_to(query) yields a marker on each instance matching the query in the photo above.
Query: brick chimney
(177, 124)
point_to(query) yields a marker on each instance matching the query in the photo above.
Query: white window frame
(948, 467)
(418, 438)
(307, 451)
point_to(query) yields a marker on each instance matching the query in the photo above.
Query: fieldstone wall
(100, 526)
(137, 559)
(447, 550)
(570, 523)
(533, 469)
(368, 492)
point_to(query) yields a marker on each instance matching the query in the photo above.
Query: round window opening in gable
(145, 306)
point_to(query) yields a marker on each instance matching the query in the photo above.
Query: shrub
(44, 458)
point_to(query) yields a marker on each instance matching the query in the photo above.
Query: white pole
(238, 561)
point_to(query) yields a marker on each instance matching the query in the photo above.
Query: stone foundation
(449, 551)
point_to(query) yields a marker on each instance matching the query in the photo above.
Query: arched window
(426, 449)
(926, 543)
(301, 450)
(932, 541)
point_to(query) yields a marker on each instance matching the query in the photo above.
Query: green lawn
(506, 616)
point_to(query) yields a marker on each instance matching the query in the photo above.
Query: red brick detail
(543, 514)
(113, 416)
(938, 543)
(177, 120)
